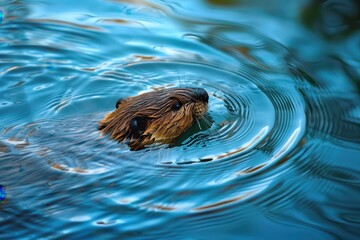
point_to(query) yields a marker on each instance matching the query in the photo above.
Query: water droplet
(1, 16)
(2, 193)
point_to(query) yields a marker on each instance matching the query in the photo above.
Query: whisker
(197, 120)
(207, 121)
(179, 79)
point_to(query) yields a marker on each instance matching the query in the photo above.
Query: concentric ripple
(245, 112)
(277, 152)
(253, 126)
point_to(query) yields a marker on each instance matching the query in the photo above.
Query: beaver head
(158, 116)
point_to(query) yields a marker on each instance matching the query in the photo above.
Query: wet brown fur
(160, 121)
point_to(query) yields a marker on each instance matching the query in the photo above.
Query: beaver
(160, 116)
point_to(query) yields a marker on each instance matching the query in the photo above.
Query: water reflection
(332, 19)
(281, 155)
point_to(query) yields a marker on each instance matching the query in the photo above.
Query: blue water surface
(2, 193)
(279, 161)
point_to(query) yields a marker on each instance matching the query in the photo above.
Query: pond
(280, 158)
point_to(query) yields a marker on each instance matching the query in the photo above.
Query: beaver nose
(201, 94)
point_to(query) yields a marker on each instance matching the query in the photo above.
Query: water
(281, 159)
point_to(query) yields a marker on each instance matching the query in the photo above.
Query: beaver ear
(119, 102)
(138, 126)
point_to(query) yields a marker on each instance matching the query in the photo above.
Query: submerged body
(158, 116)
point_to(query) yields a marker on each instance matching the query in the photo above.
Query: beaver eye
(177, 106)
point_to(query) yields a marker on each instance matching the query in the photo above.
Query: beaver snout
(201, 94)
